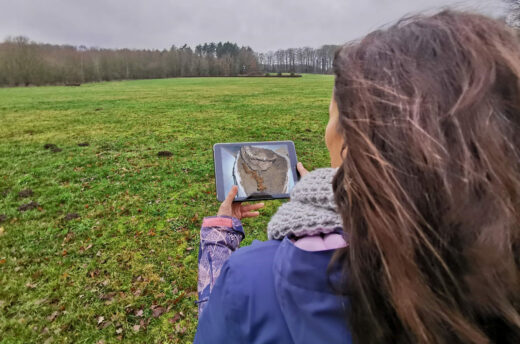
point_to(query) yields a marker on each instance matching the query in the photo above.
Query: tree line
(23, 62)
(299, 60)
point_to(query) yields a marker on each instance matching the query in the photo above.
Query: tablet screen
(261, 170)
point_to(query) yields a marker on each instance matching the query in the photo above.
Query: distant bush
(279, 74)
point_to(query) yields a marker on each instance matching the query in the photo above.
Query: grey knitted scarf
(310, 211)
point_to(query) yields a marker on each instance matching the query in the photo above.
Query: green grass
(135, 244)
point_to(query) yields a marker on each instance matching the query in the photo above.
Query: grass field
(107, 253)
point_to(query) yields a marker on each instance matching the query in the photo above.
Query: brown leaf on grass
(105, 324)
(195, 218)
(136, 328)
(64, 253)
(144, 323)
(68, 237)
(83, 249)
(119, 330)
(177, 299)
(2, 261)
(93, 273)
(139, 313)
(100, 320)
(180, 329)
(157, 311)
(107, 296)
(40, 301)
(175, 318)
(160, 295)
(30, 285)
(53, 316)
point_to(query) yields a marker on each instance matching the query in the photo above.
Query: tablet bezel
(219, 175)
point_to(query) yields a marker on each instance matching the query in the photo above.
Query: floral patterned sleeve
(219, 237)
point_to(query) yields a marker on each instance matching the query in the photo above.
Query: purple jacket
(268, 292)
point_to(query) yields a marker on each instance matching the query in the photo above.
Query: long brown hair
(429, 191)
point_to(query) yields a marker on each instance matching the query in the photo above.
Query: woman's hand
(228, 208)
(301, 169)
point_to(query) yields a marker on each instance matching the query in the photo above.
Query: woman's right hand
(302, 170)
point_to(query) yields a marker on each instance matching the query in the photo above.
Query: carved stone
(260, 170)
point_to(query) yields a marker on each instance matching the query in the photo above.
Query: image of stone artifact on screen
(261, 170)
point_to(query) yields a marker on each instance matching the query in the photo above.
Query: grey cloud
(262, 24)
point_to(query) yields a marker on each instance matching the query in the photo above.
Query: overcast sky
(262, 24)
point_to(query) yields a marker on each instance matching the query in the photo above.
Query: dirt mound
(71, 216)
(83, 144)
(28, 206)
(52, 147)
(25, 193)
(164, 154)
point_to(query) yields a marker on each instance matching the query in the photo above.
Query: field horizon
(103, 188)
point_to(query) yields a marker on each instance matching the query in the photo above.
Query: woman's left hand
(228, 208)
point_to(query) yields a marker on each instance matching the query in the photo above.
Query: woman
(429, 195)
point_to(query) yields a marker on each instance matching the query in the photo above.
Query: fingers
(303, 171)
(250, 214)
(250, 207)
(247, 210)
(231, 195)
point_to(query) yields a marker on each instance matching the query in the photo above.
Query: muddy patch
(83, 144)
(25, 193)
(28, 206)
(164, 154)
(3, 218)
